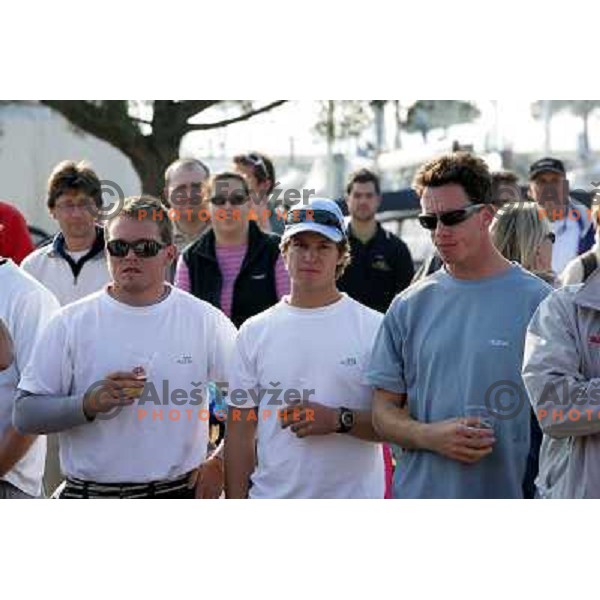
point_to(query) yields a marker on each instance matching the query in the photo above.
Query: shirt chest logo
(594, 339)
(496, 343)
(185, 359)
(351, 361)
(379, 264)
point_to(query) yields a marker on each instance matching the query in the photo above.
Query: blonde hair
(518, 229)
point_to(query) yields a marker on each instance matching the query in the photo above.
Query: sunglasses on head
(141, 248)
(322, 217)
(234, 199)
(257, 161)
(449, 218)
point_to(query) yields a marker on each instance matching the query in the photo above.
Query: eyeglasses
(449, 218)
(234, 199)
(70, 206)
(322, 217)
(552, 237)
(141, 248)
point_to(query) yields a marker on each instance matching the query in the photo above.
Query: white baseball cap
(320, 215)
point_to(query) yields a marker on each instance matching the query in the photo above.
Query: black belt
(80, 488)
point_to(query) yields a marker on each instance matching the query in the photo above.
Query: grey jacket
(561, 371)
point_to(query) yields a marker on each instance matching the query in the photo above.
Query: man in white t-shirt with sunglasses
(121, 374)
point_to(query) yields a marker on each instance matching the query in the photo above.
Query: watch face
(347, 419)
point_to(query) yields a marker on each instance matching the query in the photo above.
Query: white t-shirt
(25, 307)
(566, 245)
(182, 342)
(322, 349)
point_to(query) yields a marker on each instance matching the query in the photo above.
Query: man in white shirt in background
(306, 354)
(571, 222)
(120, 374)
(73, 264)
(25, 309)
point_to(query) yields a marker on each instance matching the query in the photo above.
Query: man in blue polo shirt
(446, 363)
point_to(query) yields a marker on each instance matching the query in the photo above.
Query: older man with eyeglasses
(447, 361)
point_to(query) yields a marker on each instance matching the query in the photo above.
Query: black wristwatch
(345, 420)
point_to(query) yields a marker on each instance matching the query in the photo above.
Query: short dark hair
(363, 176)
(73, 176)
(462, 168)
(146, 208)
(261, 165)
(185, 163)
(503, 181)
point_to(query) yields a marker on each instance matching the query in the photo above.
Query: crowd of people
(243, 350)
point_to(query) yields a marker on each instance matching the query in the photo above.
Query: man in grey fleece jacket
(561, 370)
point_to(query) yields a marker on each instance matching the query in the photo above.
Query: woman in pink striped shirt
(234, 266)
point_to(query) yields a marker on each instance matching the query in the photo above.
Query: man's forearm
(393, 423)
(34, 413)
(363, 427)
(13, 447)
(240, 457)
(6, 347)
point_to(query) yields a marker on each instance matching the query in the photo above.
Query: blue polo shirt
(448, 343)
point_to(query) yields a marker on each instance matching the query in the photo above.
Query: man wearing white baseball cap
(299, 420)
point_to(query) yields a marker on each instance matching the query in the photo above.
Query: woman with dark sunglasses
(235, 266)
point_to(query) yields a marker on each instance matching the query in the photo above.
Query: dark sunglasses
(141, 248)
(552, 237)
(234, 200)
(322, 217)
(450, 218)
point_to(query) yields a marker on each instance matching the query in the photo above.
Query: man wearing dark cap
(571, 223)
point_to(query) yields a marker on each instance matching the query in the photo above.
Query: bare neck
(191, 228)
(313, 298)
(363, 230)
(487, 263)
(79, 244)
(146, 298)
(234, 238)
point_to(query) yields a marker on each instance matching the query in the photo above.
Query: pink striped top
(230, 260)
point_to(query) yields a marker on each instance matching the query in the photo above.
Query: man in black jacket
(381, 264)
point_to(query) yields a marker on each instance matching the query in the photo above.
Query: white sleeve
(223, 341)
(244, 372)
(50, 369)
(35, 311)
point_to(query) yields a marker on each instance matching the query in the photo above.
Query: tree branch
(189, 108)
(244, 117)
(108, 121)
